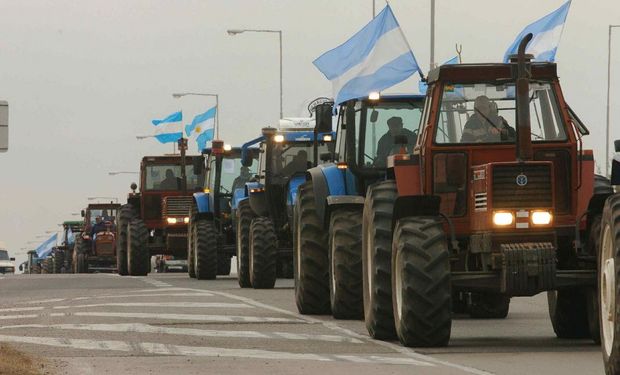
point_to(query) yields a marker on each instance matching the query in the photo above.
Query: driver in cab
(387, 145)
(486, 125)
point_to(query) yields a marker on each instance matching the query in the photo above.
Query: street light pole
(608, 92)
(432, 65)
(217, 107)
(233, 32)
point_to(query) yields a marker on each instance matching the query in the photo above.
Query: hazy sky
(83, 78)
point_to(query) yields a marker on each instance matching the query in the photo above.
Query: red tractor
(498, 199)
(154, 220)
(95, 247)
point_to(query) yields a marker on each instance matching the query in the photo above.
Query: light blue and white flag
(170, 129)
(375, 58)
(70, 237)
(202, 128)
(547, 33)
(46, 247)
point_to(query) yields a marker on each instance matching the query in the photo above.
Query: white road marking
(159, 290)
(192, 294)
(191, 317)
(147, 328)
(334, 327)
(154, 282)
(163, 304)
(166, 349)
(16, 309)
(2, 277)
(11, 317)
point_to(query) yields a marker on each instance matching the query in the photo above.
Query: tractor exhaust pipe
(524, 129)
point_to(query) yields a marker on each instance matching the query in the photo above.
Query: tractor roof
(165, 159)
(472, 73)
(72, 223)
(103, 205)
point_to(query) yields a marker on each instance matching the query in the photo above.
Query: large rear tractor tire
(46, 266)
(138, 256)
(489, 306)
(568, 313)
(422, 295)
(345, 266)
(205, 250)
(310, 255)
(82, 263)
(58, 262)
(592, 247)
(377, 260)
(191, 233)
(609, 284)
(244, 219)
(263, 253)
(126, 214)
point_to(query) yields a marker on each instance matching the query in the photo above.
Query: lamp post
(233, 32)
(608, 91)
(114, 173)
(94, 198)
(217, 107)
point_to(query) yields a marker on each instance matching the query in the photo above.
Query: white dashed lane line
(204, 351)
(147, 328)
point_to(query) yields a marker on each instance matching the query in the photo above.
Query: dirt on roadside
(13, 362)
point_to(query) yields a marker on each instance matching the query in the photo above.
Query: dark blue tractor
(265, 218)
(211, 236)
(328, 214)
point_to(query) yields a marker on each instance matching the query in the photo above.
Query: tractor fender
(292, 189)
(204, 205)
(258, 200)
(415, 205)
(238, 196)
(330, 181)
(320, 188)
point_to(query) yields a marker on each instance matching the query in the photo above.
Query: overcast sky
(83, 78)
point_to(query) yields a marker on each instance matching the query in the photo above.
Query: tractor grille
(104, 244)
(536, 193)
(177, 206)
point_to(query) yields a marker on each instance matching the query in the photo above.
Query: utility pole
(432, 63)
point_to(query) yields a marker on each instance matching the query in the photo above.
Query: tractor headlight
(503, 218)
(327, 138)
(171, 220)
(279, 138)
(186, 220)
(541, 218)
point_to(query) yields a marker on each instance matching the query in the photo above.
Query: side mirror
(83, 213)
(615, 170)
(133, 186)
(198, 165)
(374, 116)
(323, 117)
(325, 156)
(12, 259)
(617, 145)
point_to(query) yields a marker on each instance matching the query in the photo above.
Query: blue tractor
(328, 213)
(211, 237)
(264, 219)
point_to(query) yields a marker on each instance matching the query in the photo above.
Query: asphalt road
(170, 324)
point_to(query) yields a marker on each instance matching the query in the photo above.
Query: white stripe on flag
(545, 41)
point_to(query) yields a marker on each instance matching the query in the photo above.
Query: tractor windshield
(234, 175)
(383, 122)
(168, 177)
(486, 113)
(293, 157)
(106, 214)
(4, 255)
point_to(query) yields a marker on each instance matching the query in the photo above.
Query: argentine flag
(547, 33)
(374, 59)
(202, 128)
(45, 248)
(170, 128)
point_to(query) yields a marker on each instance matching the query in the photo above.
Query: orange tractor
(498, 199)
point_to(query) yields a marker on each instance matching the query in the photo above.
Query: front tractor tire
(138, 257)
(244, 219)
(609, 284)
(126, 214)
(310, 255)
(345, 266)
(421, 289)
(377, 260)
(263, 253)
(205, 250)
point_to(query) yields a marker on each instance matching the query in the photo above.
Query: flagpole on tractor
(432, 65)
(608, 91)
(217, 107)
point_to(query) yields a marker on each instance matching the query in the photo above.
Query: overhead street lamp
(95, 198)
(608, 91)
(233, 32)
(217, 106)
(114, 173)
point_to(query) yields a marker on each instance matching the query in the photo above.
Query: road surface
(170, 324)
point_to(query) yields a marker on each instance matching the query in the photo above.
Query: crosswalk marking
(147, 328)
(162, 304)
(36, 302)
(192, 317)
(203, 351)
(17, 309)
